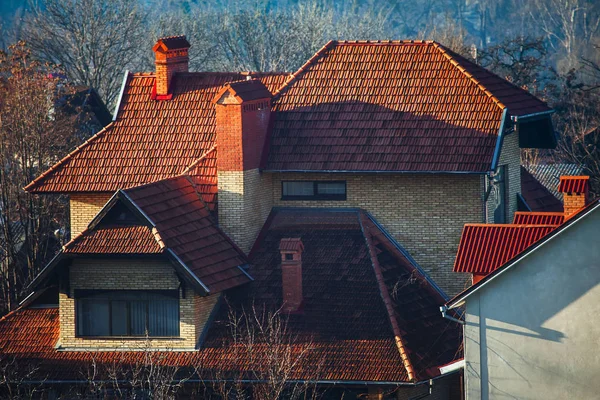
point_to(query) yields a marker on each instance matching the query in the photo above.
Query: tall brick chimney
(171, 57)
(291, 273)
(575, 190)
(243, 110)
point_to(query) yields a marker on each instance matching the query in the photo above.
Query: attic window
(127, 313)
(313, 190)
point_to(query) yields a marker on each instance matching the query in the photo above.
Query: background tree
(93, 41)
(34, 132)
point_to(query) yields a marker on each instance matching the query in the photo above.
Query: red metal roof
(150, 140)
(391, 106)
(186, 226)
(538, 218)
(115, 240)
(537, 196)
(574, 184)
(485, 247)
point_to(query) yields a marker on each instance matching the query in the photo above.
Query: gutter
(250, 381)
(444, 310)
(349, 171)
(532, 117)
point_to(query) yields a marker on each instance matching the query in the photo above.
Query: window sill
(135, 338)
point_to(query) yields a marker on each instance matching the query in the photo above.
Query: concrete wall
(134, 274)
(83, 208)
(534, 332)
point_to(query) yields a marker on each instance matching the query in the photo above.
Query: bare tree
(265, 352)
(94, 41)
(34, 132)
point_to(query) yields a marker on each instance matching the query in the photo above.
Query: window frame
(81, 294)
(316, 196)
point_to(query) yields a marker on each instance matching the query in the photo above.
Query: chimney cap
(291, 245)
(574, 184)
(171, 43)
(246, 90)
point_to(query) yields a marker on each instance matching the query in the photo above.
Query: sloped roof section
(129, 239)
(538, 218)
(391, 106)
(537, 196)
(549, 175)
(485, 247)
(204, 176)
(186, 227)
(574, 184)
(150, 140)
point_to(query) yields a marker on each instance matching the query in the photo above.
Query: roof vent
(291, 273)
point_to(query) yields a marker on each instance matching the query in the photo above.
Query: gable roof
(485, 247)
(392, 106)
(149, 140)
(459, 299)
(172, 220)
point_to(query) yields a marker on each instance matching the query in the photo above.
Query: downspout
(444, 310)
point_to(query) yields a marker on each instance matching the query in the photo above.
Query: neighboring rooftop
(549, 175)
(537, 196)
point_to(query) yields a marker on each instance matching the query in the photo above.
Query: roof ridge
(303, 68)
(510, 225)
(202, 157)
(446, 53)
(387, 300)
(53, 168)
(385, 42)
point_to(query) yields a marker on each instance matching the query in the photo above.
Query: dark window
(313, 190)
(127, 313)
(500, 196)
(289, 256)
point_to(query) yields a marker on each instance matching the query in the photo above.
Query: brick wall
(133, 274)
(245, 200)
(425, 213)
(83, 208)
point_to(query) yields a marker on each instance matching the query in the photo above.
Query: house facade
(530, 325)
(335, 195)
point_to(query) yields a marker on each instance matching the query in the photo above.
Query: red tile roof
(485, 247)
(246, 90)
(538, 218)
(204, 175)
(574, 184)
(186, 227)
(150, 140)
(391, 106)
(345, 329)
(115, 240)
(537, 196)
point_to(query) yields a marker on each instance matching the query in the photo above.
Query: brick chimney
(291, 273)
(243, 110)
(575, 190)
(171, 57)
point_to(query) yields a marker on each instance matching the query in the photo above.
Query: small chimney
(171, 57)
(291, 273)
(575, 190)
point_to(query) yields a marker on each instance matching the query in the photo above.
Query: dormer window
(127, 313)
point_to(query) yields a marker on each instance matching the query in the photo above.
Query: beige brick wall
(510, 156)
(134, 274)
(425, 213)
(245, 200)
(83, 208)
